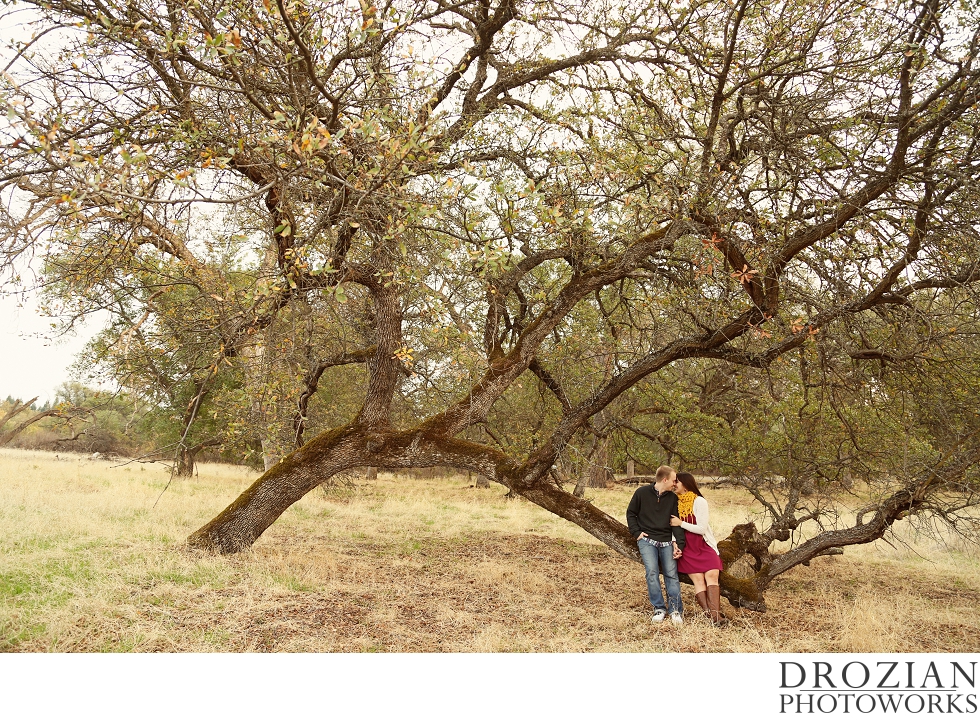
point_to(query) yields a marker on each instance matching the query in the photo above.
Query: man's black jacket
(650, 512)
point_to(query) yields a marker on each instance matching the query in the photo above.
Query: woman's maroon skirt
(698, 556)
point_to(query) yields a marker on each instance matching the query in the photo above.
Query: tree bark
(330, 453)
(372, 473)
(185, 463)
(258, 507)
(482, 481)
(599, 466)
(187, 457)
(630, 468)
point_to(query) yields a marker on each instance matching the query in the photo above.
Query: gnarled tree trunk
(187, 457)
(330, 453)
(185, 463)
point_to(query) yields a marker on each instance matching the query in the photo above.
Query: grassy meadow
(88, 563)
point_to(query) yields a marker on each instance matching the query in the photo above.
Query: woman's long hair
(689, 483)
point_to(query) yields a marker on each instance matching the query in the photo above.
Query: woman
(701, 560)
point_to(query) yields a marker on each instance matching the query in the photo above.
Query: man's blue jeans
(660, 560)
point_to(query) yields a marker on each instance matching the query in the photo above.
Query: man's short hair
(663, 473)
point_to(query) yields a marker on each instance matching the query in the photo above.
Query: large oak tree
(472, 198)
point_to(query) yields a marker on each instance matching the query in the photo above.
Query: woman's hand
(674, 521)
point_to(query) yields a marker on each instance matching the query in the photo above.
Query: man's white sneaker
(659, 615)
(676, 618)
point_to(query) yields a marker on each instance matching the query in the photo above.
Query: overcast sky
(31, 364)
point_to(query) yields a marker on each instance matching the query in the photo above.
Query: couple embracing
(669, 520)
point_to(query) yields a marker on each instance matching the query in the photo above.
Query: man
(648, 517)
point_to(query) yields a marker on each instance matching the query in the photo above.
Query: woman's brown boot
(702, 598)
(714, 606)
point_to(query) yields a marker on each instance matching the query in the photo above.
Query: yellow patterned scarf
(685, 503)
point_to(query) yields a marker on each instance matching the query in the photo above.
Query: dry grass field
(87, 563)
